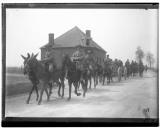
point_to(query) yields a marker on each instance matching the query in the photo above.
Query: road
(127, 99)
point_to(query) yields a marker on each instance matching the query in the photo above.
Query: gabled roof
(73, 38)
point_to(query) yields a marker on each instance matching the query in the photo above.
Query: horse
(99, 72)
(32, 78)
(107, 73)
(72, 74)
(96, 72)
(92, 73)
(41, 74)
(57, 76)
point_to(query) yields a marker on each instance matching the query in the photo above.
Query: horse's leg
(103, 79)
(120, 76)
(30, 94)
(100, 78)
(85, 87)
(41, 94)
(70, 84)
(94, 79)
(58, 83)
(97, 79)
(111, 77)
(36, 89)
(63, 87)
(76, 86)
(107, 78)
(50, 88)
(89, 77)
(48, 95)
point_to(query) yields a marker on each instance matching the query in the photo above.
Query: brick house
(68, 43)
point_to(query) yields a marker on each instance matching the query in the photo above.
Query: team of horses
(45, 76)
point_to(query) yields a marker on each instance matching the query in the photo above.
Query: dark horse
(91, 69)
(94, 73)
(32, 78)
(107, 73)
(57, 75)
(32, 64)
(75, 76)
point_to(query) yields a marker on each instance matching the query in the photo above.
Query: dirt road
(127, 99)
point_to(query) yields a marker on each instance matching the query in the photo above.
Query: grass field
(17, 83)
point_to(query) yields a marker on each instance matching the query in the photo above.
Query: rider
(107, 61)
(127, 64)
(77, 57)
(48, 59)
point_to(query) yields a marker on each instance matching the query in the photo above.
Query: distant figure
(107, 60)
(127, 64)
(119, 73)
(146, 68)
(132, 67)
(141, 68)
(125, 72)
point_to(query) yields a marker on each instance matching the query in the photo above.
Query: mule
(32, 64)
(32, 78)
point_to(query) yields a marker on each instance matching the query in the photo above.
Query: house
(68, 43)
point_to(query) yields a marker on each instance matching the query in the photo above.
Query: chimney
(88, 34)
(51, 39)
(88, 37)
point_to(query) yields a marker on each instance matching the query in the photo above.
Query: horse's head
(30, 63)
(25, 61)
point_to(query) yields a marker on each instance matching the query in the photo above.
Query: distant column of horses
(44, 76)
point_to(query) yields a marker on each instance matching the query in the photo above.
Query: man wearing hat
(49, 60)
(77, 56)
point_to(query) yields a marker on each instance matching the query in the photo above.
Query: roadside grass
(17, 84)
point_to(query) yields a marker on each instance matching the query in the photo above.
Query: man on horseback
(107, 60)
(107, 72)
(77, 56)
(49, 60)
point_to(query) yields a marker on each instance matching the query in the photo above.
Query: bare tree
(150, 58)
(139, 54)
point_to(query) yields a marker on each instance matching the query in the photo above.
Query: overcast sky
(118, 31)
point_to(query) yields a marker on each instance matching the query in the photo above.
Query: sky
(118, 31)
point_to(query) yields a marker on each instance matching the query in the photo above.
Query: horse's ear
(35, 56)
(32, 55)
(23, 57)
(28, 55)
